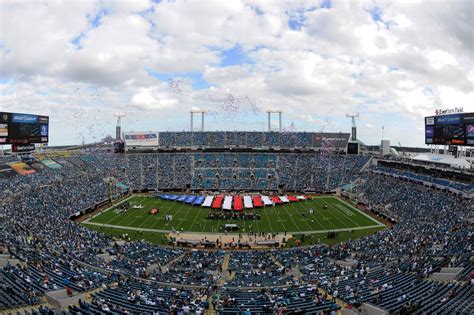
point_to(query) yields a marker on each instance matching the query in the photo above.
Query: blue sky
(393, 62)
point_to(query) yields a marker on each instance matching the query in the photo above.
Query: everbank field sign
(447, 111)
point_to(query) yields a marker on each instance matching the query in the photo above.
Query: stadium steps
(225, 262)
(225, 276)
(212, 309)
(88, 294)
(276, 261)
(366, 165)
(339, 302)
(296, 273)
(170, 263)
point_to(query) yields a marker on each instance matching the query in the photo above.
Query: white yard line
(110, 208)
(129, 216)
(195, 217)
(363, 213)
(340, 207)
(291, 216)
(270, 221)
(334, 216)
(146, 220)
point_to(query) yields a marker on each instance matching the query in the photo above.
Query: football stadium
(222, 206)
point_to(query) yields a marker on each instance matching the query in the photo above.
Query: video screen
(18, 128)
(455, 129)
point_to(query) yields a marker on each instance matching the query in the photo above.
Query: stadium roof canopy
(443, 159)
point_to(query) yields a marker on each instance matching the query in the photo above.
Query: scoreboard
(17, 129)
(455, 129)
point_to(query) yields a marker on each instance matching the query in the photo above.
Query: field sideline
(339, 216)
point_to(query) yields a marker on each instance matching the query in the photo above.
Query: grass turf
(339, 215)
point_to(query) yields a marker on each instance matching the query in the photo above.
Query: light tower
(353, 116)
(270, 112)
(118, 128)
(193, 111)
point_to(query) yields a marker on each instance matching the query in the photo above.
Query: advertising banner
(141, 139)
(24, 118)
(51, 164)
(19, 148)
(22, 168)
(338, 140)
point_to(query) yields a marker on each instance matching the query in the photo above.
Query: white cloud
(439, 59)
(80, 59)
(151, 99)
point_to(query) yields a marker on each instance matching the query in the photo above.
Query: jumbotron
(233, 223)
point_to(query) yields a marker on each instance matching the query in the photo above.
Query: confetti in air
(175, 86)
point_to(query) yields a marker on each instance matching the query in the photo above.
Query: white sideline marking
(168, 231)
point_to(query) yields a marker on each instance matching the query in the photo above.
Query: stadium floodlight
(353, 116)
(118, 127)
(269, 113)
(195, 110)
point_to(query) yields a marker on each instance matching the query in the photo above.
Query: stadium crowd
(390, 267)
(233, 171)
(253, 139)
(257, 269)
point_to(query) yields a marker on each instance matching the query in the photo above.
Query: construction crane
(353, 116)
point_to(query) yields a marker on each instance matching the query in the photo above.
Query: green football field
(291, 217)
